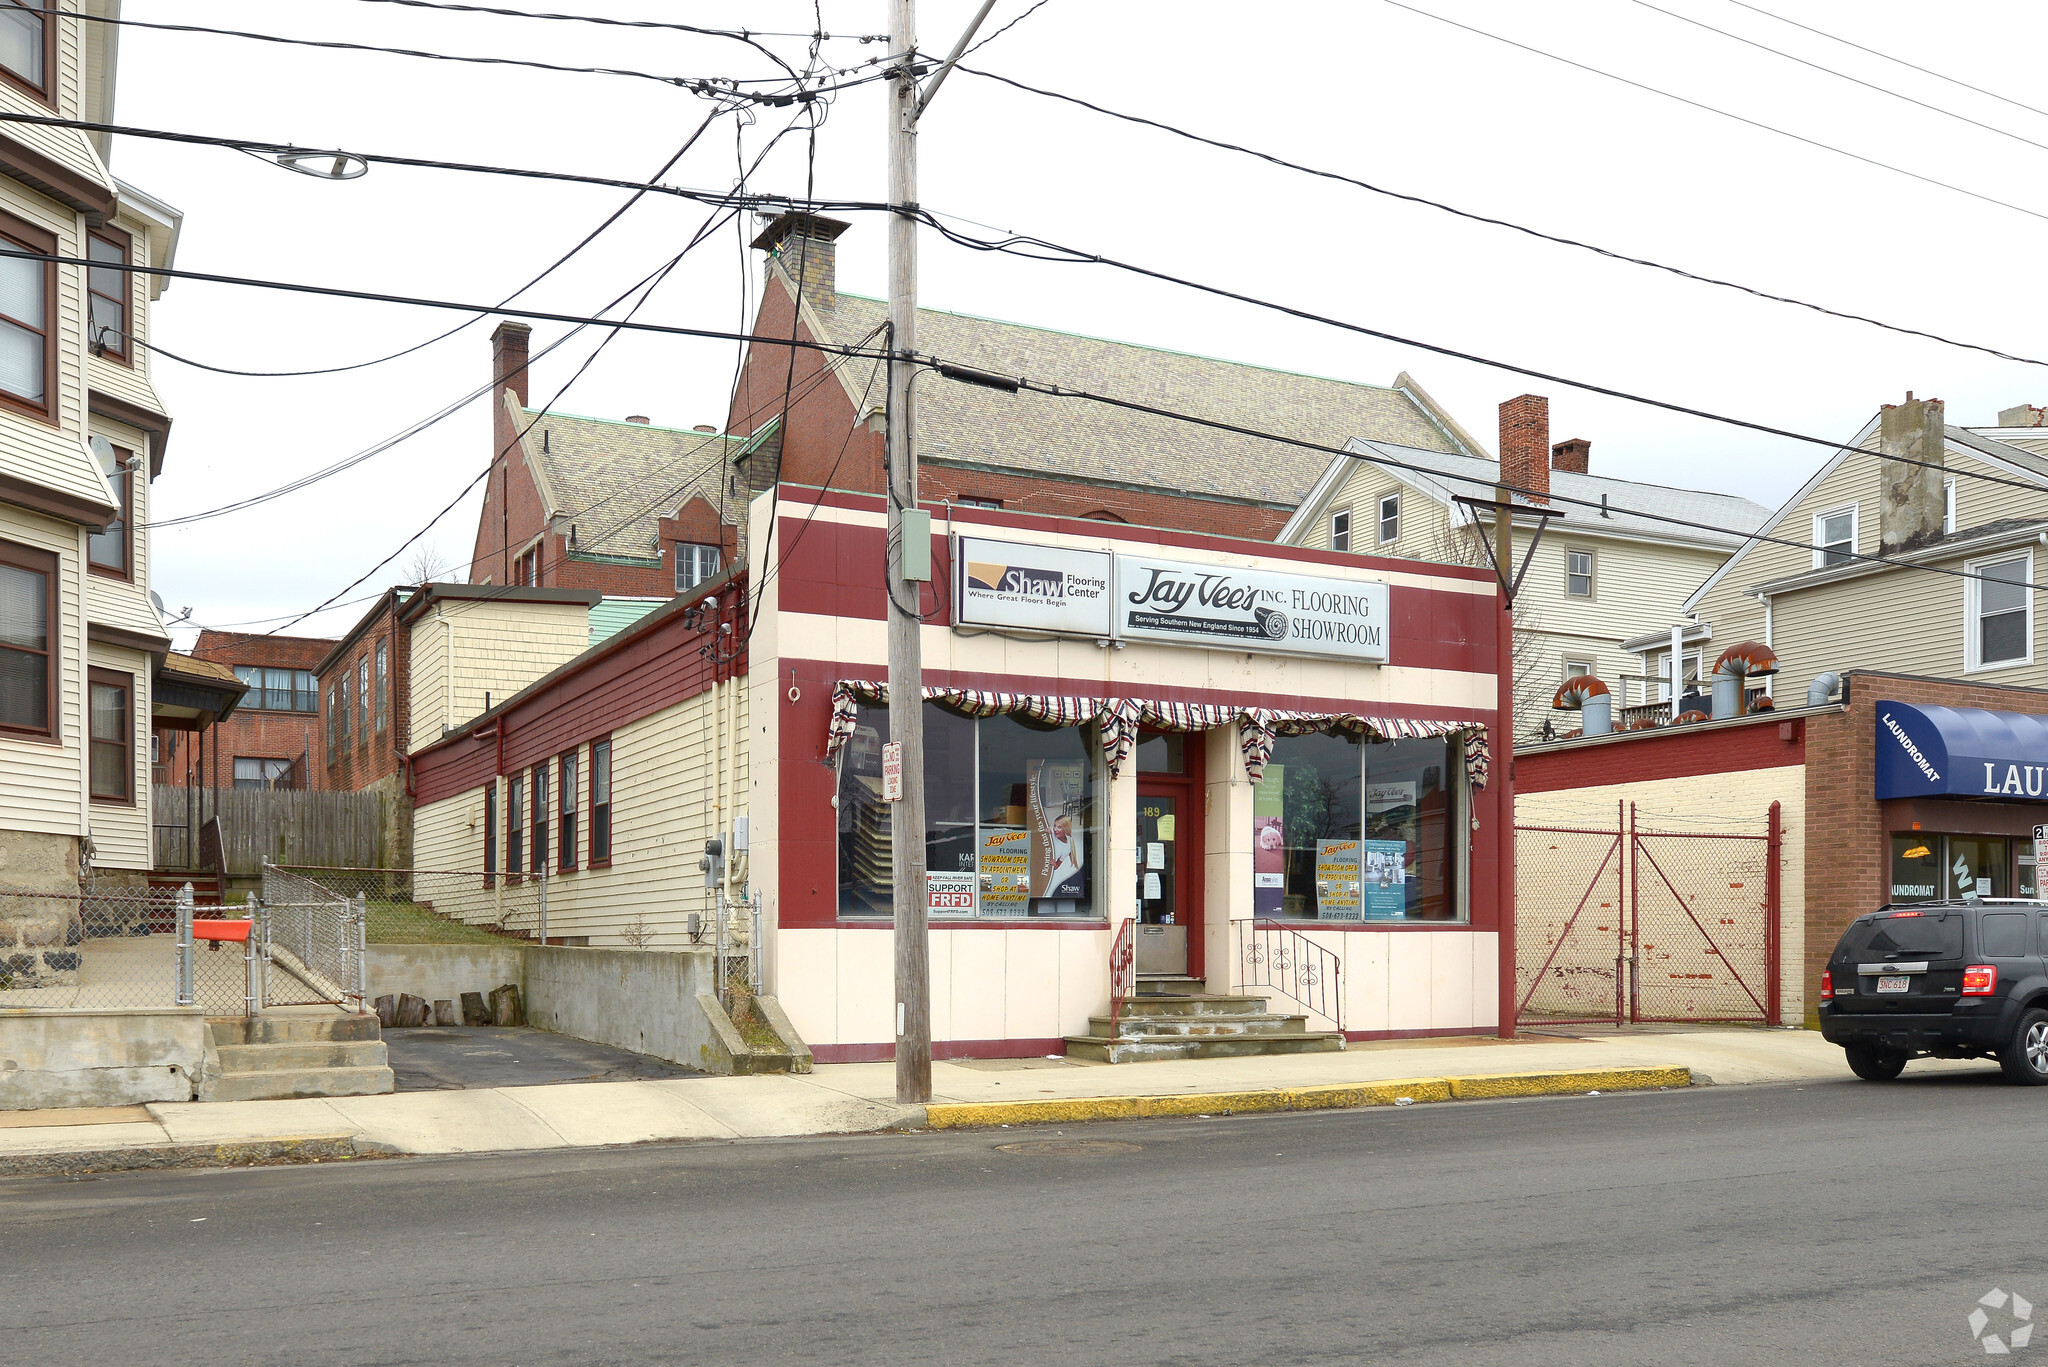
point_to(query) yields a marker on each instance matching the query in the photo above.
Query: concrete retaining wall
(442, 972)
(639, 999)
(100, 1058)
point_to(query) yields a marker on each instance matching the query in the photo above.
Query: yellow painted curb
(1329, 1096)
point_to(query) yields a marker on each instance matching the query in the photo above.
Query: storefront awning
(1120, 720)
(1928, 751)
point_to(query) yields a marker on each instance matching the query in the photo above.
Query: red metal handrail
(1123, 969)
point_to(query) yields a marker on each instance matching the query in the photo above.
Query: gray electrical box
(739, 835)
(917, 544)
(713, 863)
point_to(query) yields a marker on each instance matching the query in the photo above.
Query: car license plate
(1899, 984)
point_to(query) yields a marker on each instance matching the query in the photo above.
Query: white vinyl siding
(70, 146)
(130, 382)
(56, 457)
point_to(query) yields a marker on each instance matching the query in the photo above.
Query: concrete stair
(1177, 1025)
(280, 1056)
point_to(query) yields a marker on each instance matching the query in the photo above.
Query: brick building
(625, 508)
(271, 739)
(1908, 789)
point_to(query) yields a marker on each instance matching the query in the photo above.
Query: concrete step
(1177, 984)
(1153, 1048)
(301, 1082)
(1193, 1004)
(296, 1056)
(1250, 1023)
(282, 1029)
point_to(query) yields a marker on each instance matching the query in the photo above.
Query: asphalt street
(1839, 1222)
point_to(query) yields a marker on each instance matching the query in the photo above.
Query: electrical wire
(1074, 256)
(554, 266)
(1491, 221)
(1841, 75)
(1723, 113)
(1886, 56)
(1006, 28)
(742, 33)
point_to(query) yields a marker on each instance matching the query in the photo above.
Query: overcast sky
(1361, 87)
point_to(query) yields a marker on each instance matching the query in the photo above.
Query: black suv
(1947, 979)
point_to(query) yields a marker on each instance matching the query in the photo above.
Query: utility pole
(906, 661)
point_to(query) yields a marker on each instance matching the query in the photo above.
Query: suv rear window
(1905, 937)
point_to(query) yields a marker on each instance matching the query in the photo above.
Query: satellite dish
(156, 602)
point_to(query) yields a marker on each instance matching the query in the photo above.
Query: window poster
(1053, 817)
(1005, 871)
(1338, 879)
(1386, 878)
(1269, 842)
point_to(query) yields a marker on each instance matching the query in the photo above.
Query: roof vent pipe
(1595, 705)
(1822, 690)
(1727, 694)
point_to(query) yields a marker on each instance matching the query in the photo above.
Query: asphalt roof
(619, 479)
(1452, 475)
(1079, 439)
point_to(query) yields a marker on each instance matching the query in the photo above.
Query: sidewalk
(847, 1098)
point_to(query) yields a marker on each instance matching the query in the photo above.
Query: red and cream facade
(715, 716)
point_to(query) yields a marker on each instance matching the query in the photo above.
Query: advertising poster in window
(1338, 879)
(1054, 819)
(1386, 878)
(1269, 842)
(1005, 871)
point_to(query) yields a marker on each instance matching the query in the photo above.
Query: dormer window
(694, 565)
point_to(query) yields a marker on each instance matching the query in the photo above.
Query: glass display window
(1345, 830)
(1014, 821)
(1927, 867)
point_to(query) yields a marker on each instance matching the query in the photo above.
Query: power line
(1006, 28)
(741, 33)
(1723, 113)
(554, 266)
(1074, 256)
(1841, 75)
(702, 85)
(1886, 56)
(1474, 217)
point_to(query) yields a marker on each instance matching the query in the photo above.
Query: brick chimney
(508, 358)
(1911, 501)
(1525, 446)
(2026, 415)
(508, 370)
(802, 245)
(1574, 454)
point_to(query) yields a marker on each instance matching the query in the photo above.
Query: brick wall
(367, 758)
(251, 732)
(1848, 871)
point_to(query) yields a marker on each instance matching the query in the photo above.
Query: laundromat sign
(1144, 598)
(1929, 751)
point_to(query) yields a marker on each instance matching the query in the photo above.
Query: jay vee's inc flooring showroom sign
(1144, 598)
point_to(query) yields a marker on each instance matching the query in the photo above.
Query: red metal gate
(1622, 925)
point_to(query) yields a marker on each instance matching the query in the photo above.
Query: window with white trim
(1999, 615)
(1574, 668)
(1834, 536)
(694, 565)
(1390, 519)
(1578, 574)
(1340, 531)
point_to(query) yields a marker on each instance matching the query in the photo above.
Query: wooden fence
(283, 825)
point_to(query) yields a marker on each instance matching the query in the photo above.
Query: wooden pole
(906, 664)
(1504, 756)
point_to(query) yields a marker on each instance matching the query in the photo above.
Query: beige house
(1962, 602)
(82, 435)
(1603, 572)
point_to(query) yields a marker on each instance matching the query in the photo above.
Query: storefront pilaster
(1227, 862)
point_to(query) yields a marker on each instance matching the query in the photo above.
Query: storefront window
(1013, 818)
(1932, 868)
(1346, 831)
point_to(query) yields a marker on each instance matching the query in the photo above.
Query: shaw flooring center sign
(1008, 585)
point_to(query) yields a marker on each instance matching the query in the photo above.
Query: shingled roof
(617, 480)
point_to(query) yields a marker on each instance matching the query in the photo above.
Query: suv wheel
(1874, 1063)
(2025, 1056)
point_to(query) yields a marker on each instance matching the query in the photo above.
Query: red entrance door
(1170, 873)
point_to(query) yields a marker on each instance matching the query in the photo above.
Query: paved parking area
(452, 1059)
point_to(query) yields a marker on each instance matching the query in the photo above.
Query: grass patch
(408, 923)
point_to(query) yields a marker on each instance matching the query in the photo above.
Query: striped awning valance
(1121, 719)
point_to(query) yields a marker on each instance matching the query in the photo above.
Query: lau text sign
(1003, 584)
(1171, 600)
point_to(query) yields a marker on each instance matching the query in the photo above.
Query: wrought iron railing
(1123, 969)
(1281, 959)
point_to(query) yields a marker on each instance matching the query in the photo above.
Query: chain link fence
(114, 948)
(313, 942)
(420, 906)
